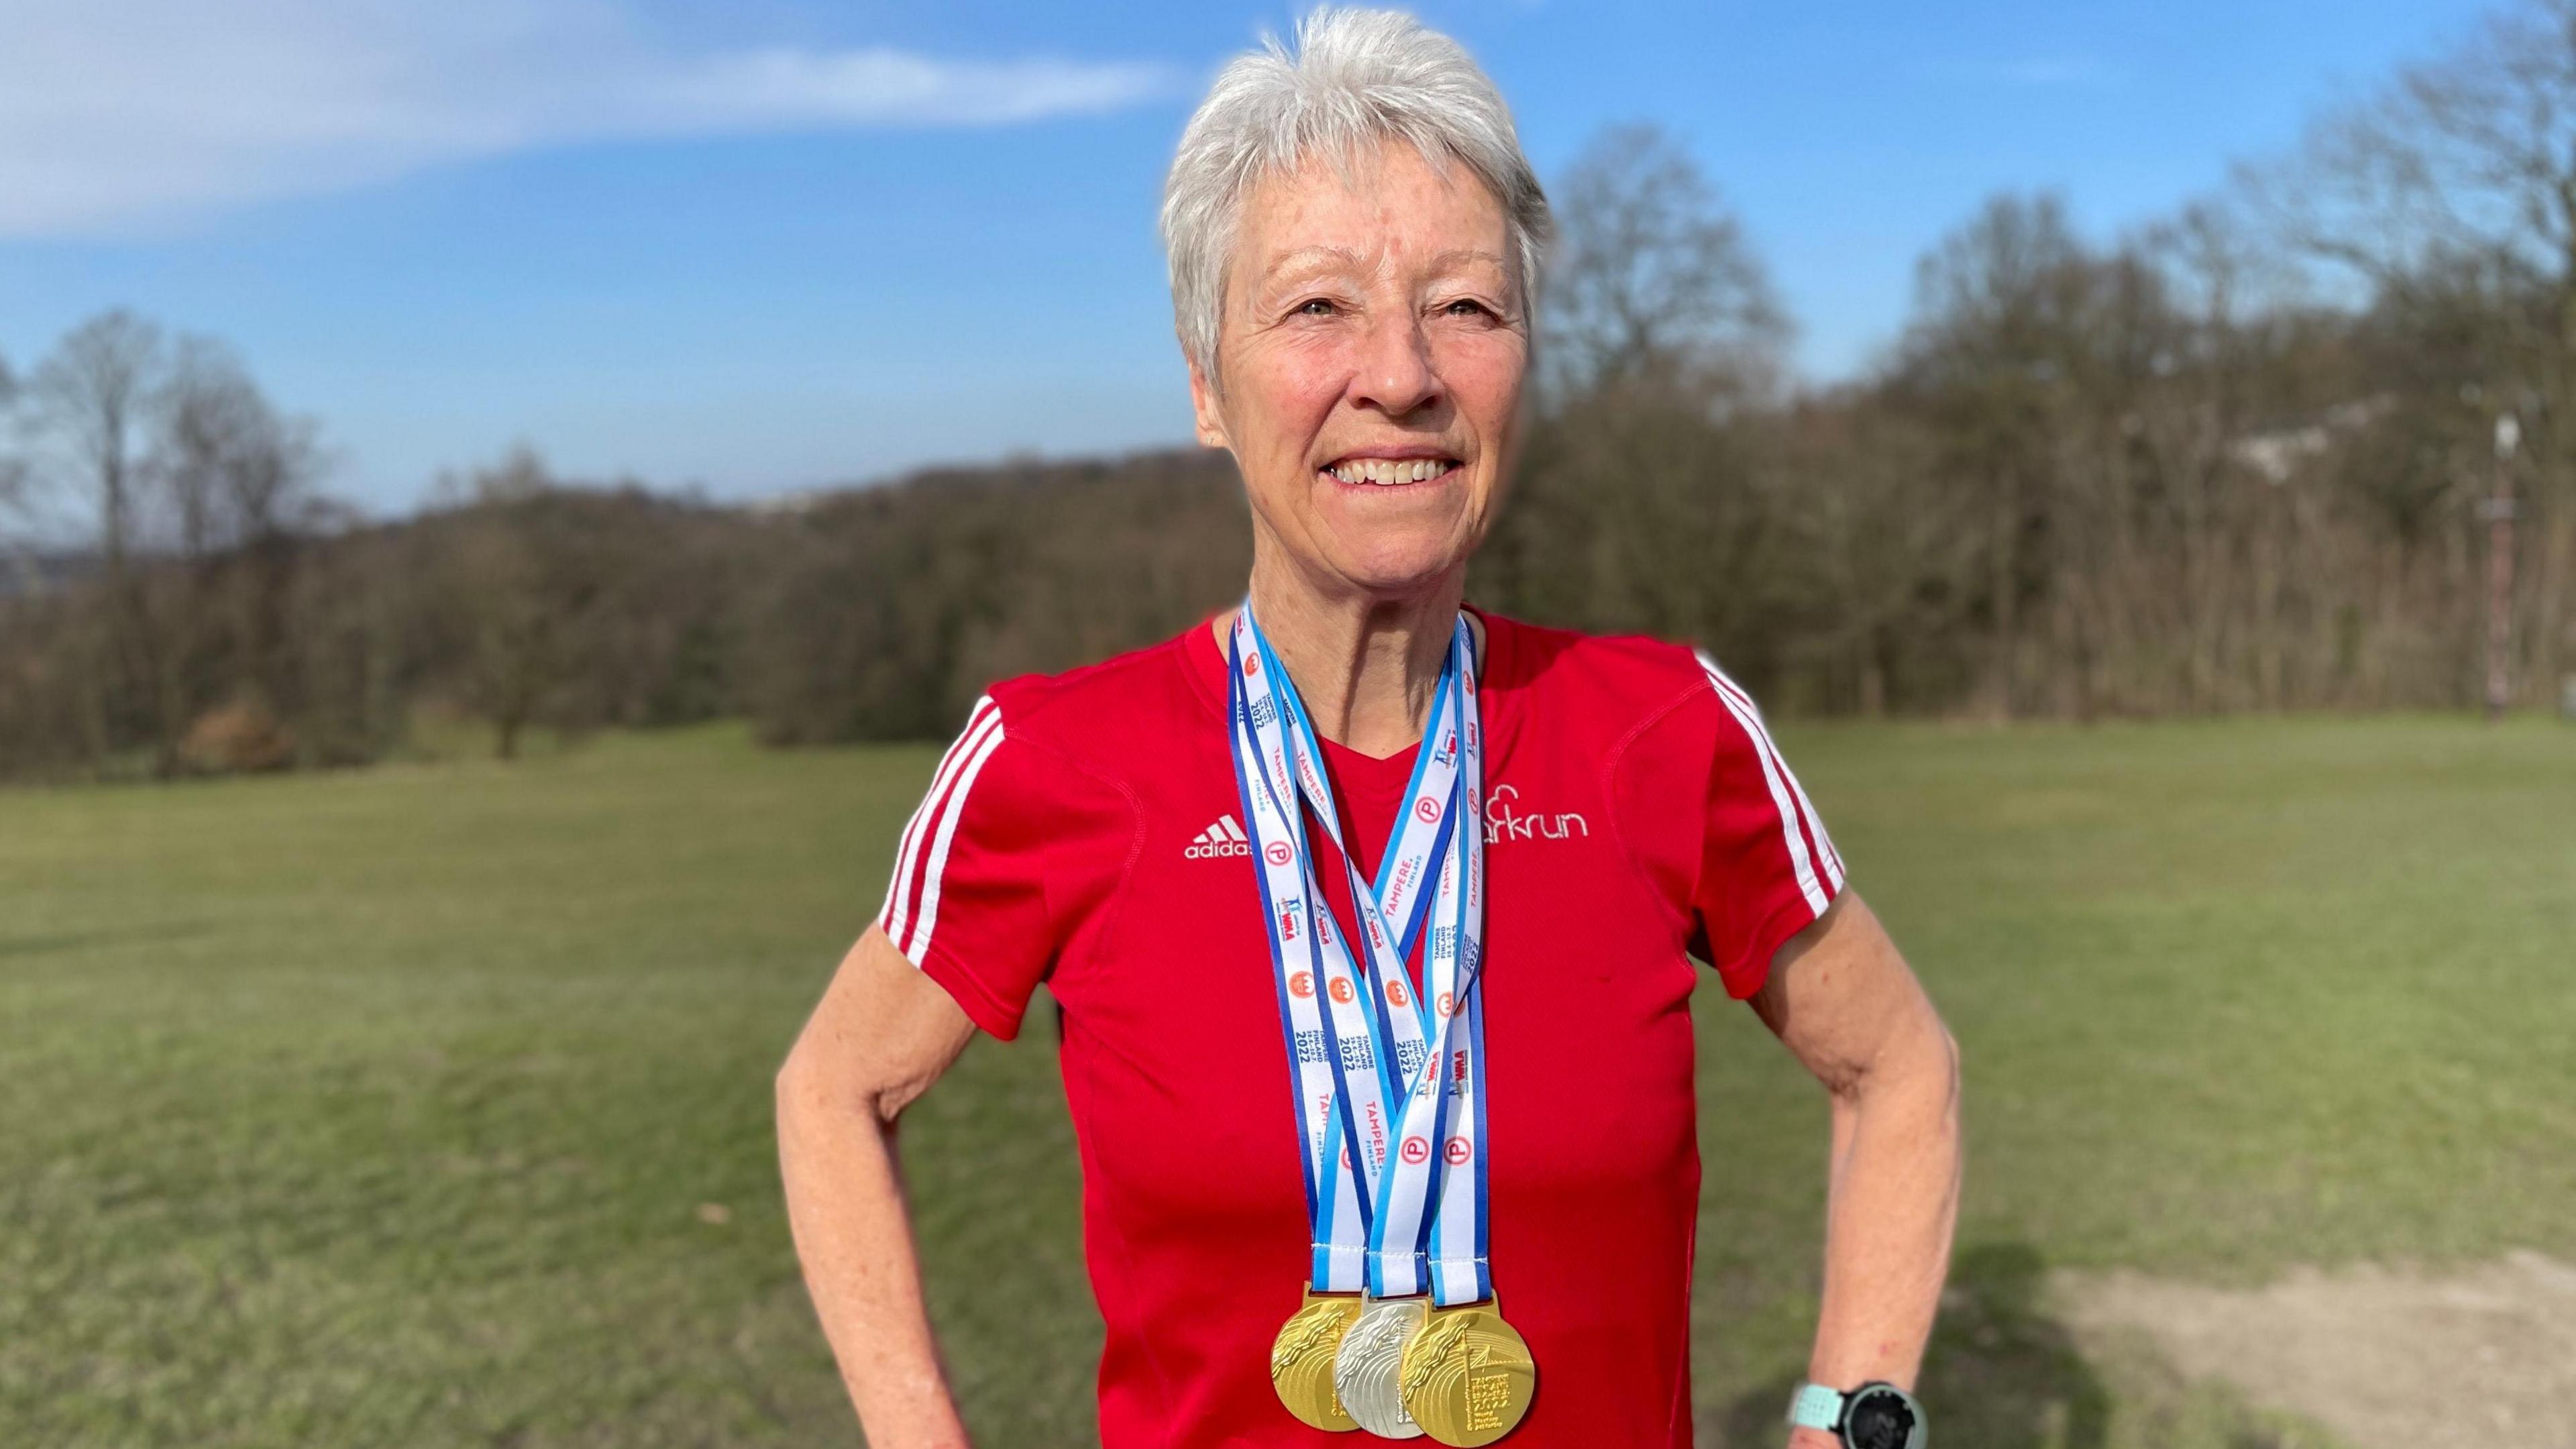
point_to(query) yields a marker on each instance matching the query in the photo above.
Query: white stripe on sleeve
(919, 944)
(1829, 857)
(1787, 799)
(899, 895)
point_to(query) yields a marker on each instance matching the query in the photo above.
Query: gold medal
(1467, 1377)
(1301, 1359)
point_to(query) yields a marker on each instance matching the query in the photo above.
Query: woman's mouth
(1390, 472)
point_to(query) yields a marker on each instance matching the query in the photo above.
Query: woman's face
(1369, 362)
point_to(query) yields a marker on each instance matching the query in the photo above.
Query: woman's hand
(881, 1035)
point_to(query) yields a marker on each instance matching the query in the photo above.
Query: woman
(1437, 873)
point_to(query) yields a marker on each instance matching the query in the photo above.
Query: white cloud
(123, 114)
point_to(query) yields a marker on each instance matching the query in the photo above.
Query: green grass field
(430, 1106)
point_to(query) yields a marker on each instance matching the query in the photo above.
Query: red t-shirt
(1085, 831)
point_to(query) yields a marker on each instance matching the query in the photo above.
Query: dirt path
(2387, 1358)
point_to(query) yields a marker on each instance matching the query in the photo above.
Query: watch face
(1880, 1418)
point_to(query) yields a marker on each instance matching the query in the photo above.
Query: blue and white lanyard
(1406, 1210)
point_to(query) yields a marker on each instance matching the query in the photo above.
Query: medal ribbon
(1394, 1204)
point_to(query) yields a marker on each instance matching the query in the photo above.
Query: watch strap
(1816, 1407)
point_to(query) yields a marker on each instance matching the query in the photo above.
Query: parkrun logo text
(1505, 821)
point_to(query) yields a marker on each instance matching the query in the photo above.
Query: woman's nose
(1395, 374)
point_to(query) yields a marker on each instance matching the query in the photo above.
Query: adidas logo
(1222, 839)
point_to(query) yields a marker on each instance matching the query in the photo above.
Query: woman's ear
(1203, 409)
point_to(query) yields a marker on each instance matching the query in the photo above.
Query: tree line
(2247, 457)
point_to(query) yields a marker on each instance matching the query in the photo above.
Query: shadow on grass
(2001, 1373)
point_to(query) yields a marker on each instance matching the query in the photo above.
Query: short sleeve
(996, 868)
(1767, 869)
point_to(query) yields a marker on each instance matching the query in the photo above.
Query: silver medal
(1365, 1368)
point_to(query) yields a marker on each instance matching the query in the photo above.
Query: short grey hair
(1357, 79)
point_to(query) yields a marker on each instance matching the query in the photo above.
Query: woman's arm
(881, 1035)
(1843, 1001)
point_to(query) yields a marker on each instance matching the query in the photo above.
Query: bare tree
(502, 578)
(92, 398)
(1653, 277)
(235, 478)
(1881, 554)
(2468, 163)
(13, 473)
(1990, 354)
(90, 403)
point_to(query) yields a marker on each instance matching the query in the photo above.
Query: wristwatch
(1877, 1415)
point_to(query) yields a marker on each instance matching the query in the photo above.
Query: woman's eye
(1315, 307)
(1467, 307)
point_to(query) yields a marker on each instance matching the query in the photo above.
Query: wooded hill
(2242, 459)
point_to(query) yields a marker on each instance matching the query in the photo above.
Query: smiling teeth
(1387, 471)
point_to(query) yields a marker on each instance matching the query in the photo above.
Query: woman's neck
(1364, 667)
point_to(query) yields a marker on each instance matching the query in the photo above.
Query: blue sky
(783, 243)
